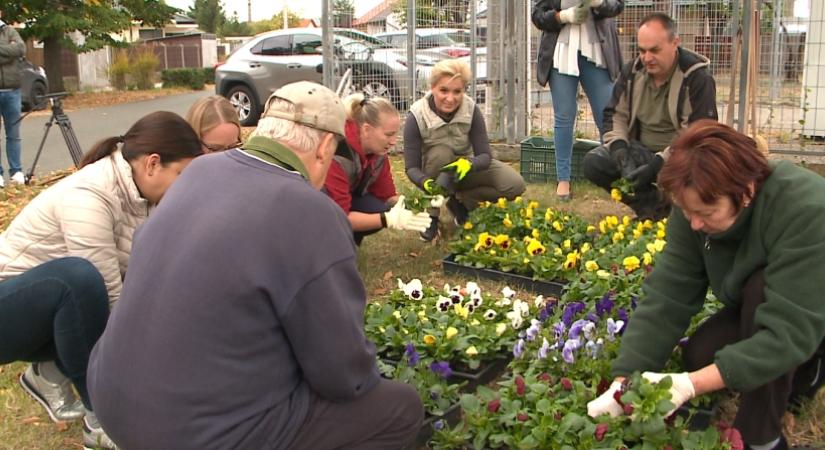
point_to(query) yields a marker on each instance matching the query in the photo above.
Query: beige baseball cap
(316, 106)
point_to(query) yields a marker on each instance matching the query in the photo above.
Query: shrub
(192, 78)
(143, 68)
(118, 70)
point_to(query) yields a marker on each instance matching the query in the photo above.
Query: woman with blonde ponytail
(360, 180)
(63, 259)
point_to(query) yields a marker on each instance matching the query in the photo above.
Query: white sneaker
(93, 435)
(56, 396)
(18, 178)
(2, 182)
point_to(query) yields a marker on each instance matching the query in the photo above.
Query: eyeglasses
(221, 148)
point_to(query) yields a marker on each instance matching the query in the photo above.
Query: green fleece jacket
(783, 230)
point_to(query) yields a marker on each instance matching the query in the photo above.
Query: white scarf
(575, 38)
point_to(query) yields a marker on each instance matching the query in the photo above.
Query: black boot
(458, 210)
(430, 233)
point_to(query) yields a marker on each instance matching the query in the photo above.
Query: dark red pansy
(494, 405)
(601, 430)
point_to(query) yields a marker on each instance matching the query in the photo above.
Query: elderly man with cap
(240, 324)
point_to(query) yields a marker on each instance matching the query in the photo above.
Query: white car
(429, 41)
(272, 59)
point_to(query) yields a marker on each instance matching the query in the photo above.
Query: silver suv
(273, 59)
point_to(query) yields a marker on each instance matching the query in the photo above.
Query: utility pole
(249, 11)
(286, 16)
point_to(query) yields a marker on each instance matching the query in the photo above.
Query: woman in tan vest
(446, 148)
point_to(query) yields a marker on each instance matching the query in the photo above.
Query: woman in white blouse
(579, 43)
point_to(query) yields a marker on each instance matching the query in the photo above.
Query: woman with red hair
(751, 231)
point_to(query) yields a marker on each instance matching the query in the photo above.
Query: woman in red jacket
(360, 180)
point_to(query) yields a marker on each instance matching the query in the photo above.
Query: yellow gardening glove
(461, 166)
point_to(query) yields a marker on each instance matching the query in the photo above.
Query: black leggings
(759, 417)
(55, 311)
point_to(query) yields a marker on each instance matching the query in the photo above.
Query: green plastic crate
(538, 159)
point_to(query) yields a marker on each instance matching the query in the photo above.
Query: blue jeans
(54, 312)
(563, 89)
(10, 111)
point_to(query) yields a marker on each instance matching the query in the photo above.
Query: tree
(96, 21)
(429, 13)
(208, 14)
(342, 13)
(234, 27)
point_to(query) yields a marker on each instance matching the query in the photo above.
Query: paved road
(89, 125)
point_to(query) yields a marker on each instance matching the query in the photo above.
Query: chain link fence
(767, 57)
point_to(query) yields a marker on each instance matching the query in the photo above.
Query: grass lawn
(382, 259)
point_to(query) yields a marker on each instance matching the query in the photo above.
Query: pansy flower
(589, 330)
(631, 263)
(471, 288)
(462, 311)
(451, 331)
(593, 347)
(518, 349)
(521, 307)
(507, 222)
(443, 304)
(591, 266)
(441, 368)
(508, 293)
(414, 289)
(515, 319)
(503, 241)
(471, 351)
(429, 339)
(605, 305)
(485, 240)
(534, 330)
(411, 355)
(470, 307)
(502, 202)
(490, 314)
(614, 327)
(545, 347)
(567, 353)
(576, 328)
(570, 311)
(468, 225)
(501, 328)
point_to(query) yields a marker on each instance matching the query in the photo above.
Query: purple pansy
(570, 311)
(518, 349)
(621, 314)
(569, 347)
(605, 305)
(533, 331)
(545, 347)
(411, 355)
(576, 328)
(442, 369)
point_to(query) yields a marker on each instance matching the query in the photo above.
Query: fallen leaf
(31, 420)
(413, 255)
(61, 426)
(388, 275)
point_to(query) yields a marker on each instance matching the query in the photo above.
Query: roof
(379, 12)
(307, 23)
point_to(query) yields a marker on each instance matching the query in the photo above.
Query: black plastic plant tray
(542, 287)
(486, 372)
(451, 417)
(702, 416)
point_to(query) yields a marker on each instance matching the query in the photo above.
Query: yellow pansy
(518, 199)
(451, 331)
(591, 229)
(533, 204)
(557, 225)
(626, 220)
(570, 261)
(548, 215)
(612, 221)
(618, 237)
(485, 240)
(660, 234)
(603, 226)
(468, 225)
(659, 244)
(650, 248)
(621, 228)
(382, 329)
(475, 322)
(601, 273)
(558, 251)
(526, 261)
(647, 258)
(637, 233)
(492, 252)
(535, 247)
(528, 213)
(648, 224)
(616, 195)
(501, 328)
(507, 222)
(528, 223)
(422, 316)
(503, 241)
(631, 263)
(461, 310)
(429, 339)
(396, 314)
(591, 266)
(566, 243)
(471, 351)
(535, 233)
(585, 247)
(502, 202)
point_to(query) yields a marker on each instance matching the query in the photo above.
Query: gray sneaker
(93, 435)
(58, 398)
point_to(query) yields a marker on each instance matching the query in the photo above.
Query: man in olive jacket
(659, 93)
(12, 48)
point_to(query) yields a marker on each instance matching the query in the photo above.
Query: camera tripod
(65, 127)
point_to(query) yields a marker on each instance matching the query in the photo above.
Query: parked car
(431, 41)
(33, 83)
(270, 60)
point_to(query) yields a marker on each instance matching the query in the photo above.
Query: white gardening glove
(575, 14)
(401, 218)
(437, 201)
(606, 403)
(680, 391)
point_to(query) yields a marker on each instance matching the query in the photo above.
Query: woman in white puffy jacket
(63, 258)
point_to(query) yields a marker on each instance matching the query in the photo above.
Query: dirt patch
(86, 100)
